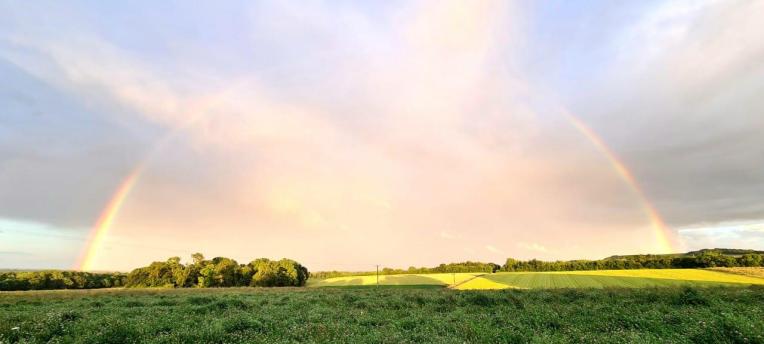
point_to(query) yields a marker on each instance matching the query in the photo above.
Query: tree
(226, 272)
(750, 259)
(198, 258)
(206, 276)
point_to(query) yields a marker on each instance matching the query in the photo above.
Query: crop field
(444, 279)
(608, 278)
(558, 279)
(747, 271)
(384, 315)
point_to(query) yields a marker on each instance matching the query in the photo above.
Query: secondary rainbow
(663, 235)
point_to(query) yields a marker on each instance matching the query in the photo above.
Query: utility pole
(377, 275)
(453, 274)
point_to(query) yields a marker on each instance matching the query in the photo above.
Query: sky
(348, 134)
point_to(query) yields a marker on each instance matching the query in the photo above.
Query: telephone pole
(377, 275)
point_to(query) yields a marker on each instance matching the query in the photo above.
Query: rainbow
(196, 111)
(101, 228)
(663, 235)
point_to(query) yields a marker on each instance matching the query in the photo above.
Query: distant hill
(735, 252)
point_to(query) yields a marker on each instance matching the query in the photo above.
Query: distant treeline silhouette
(56, 279)
(219, 272)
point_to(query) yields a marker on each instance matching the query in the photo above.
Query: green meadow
(603, 306)
(385, 315)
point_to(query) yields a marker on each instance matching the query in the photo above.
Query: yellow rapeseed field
(607, 278)
(556, 279)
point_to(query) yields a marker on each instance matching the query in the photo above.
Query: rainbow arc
(662, 234)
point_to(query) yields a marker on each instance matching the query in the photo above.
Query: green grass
(386, 315)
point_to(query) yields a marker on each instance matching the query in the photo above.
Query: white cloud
(532, 247)
(747, 234)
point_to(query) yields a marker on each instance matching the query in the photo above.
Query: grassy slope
(607, 278)
(385, 315)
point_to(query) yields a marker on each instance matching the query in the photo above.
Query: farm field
(608, 278)
(384, 315)
(747, 271)
(443, 279)
(558, 279)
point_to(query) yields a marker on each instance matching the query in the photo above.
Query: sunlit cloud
(746, 235)
(493, 249)
(532, 247)
(447, 235)
(371, 131)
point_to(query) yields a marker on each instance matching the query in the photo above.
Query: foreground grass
(388, 315)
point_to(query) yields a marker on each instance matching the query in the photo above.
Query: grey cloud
(59, 160)
(693, 140)
(721, 235)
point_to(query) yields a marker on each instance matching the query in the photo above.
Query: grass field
(384, 315)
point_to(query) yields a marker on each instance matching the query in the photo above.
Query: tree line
(467, 266)
(56, 279)
(708, 258)
(219, 272)
(262, 272)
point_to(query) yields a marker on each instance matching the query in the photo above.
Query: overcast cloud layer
(396, 133)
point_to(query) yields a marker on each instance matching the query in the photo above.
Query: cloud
(14, 253)
(57, 149)
(532, 247)
(310, 137)
(693, 71)
(30, 244)
(493, 249)
(724, 235)
(434, 136)
(448, 236)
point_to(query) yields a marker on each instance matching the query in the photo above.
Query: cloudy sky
(399, 133)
